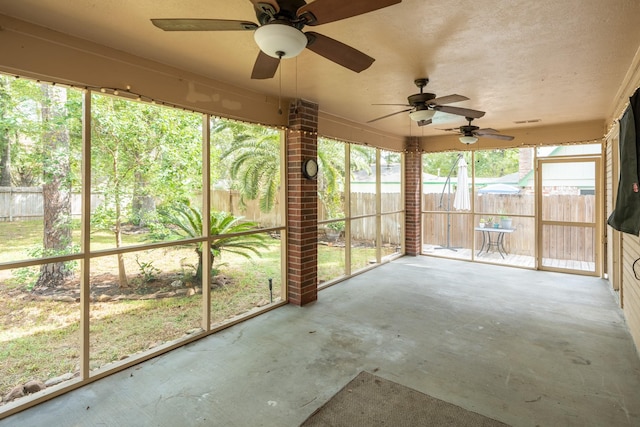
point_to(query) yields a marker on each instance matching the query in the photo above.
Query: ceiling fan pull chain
(280, 55)
(297, 99)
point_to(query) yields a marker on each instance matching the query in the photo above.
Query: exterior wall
(612, 237)
(629, 285)
(302, 205)
(330, 126)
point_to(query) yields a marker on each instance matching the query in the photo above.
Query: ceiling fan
(470, 133)
(279, 34)
(425, 105)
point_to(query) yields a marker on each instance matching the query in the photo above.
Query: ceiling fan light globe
(468, 139)
(419, 115)
(280, 40)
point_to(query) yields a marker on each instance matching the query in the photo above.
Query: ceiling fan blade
(485, 131)
(203, 25)
(466, 112)
(424, 122)
(495, 136)
(324, 11)
(265, 66)
(396, 105)
(448, 99)
(338, 52)
(389, 115)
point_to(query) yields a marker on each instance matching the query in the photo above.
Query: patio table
(493, 238)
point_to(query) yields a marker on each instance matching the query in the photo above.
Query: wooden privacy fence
(559, 241)
(26, 202)
(229, 201)
(576, 241)
(20, 203)
(364, 229)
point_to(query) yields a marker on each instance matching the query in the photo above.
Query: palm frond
(185, 218)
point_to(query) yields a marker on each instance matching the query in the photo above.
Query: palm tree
(254, 154)
(331, 159)
(188, 221)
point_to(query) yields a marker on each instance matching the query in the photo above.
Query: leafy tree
(488, 163)
(331, 159)
(390, 157)
(187, 223)
(39, 141)
(169, 155)
(494, 163)
(21, 129)
(362, 157)
(56, 185)
(439, 164)
(254, 162)
(116, 129)
(252, 155)
(140, 154)
(331, 179)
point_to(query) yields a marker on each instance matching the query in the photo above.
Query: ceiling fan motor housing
(421, 99)
(287, 13)
(468, 134)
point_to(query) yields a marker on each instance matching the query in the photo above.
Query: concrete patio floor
(524, 347)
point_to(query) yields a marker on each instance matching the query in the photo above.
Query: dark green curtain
(626, 215)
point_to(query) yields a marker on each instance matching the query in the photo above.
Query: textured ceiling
(548, 60)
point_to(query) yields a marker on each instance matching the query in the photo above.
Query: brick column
(413, 199)
(302, 205)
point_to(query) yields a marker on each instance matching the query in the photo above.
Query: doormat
(369, 400)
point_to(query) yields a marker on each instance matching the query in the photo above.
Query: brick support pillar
(302, 205)
(413, 199)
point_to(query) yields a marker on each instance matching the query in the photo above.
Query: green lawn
(40, 339)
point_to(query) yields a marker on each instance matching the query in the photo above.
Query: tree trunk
(200, 269)
(141, 204)
(5, 140)
(56, 191)
(122, 272)
(5, 158)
